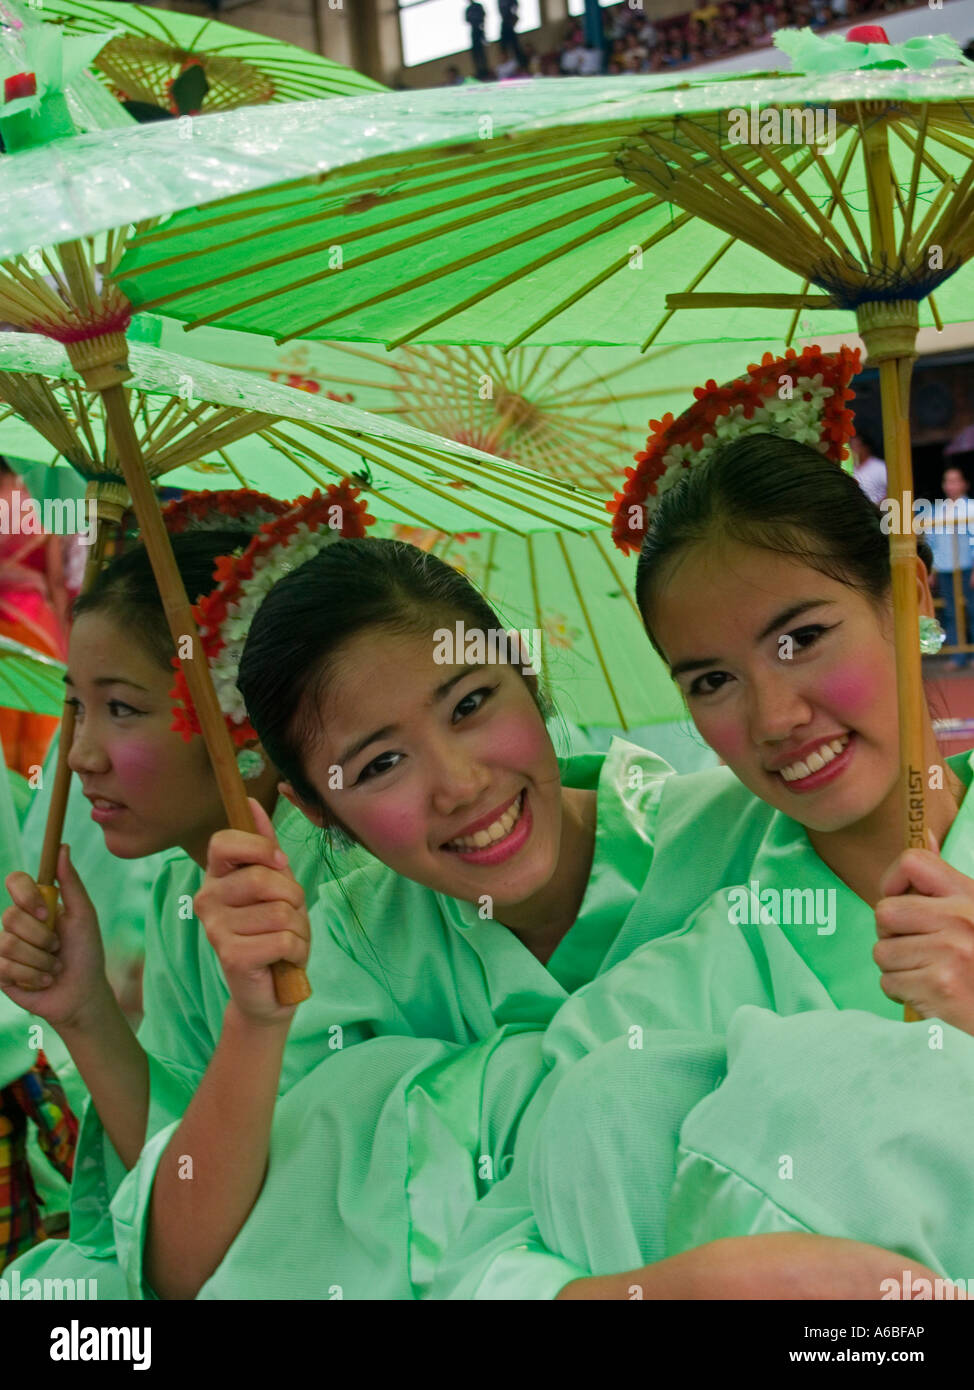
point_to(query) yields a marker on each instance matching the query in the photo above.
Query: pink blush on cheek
(852, 691)
(728, 738)
(517, 742)
(388, 830)
(140, 767)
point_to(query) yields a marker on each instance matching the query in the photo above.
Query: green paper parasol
(578, 414)
(515, 214)
(29, 680)
(510, 217)
(150, 50)
(204, 426)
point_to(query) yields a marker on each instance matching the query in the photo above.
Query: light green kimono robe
(413, 992)
(635, 1146)
(185, 996)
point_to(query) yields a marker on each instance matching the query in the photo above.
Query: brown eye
(118, 709)
(471, 703)
(377, 767)
(708, 683)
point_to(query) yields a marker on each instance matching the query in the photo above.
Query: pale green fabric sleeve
(840, 1123)
(336, 1177)
(605, 1153)
(465, 1117)
(568, 1211)
(499, 1253)
(168, 987)
(665, 983)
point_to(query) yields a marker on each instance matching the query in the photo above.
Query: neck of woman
(541, 921)
(861, 854)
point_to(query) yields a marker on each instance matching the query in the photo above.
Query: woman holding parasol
(150, 792)
(764, 583)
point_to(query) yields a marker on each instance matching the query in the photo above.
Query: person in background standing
(950, 540)
(476, 17)
(509, 41)
(870, 470)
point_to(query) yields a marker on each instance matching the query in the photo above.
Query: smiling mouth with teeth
(497, 830)
(814, 762)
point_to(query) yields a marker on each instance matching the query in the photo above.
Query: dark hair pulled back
(776, 495)
(126, 589)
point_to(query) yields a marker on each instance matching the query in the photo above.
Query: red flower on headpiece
(341, 503)
(684, 442)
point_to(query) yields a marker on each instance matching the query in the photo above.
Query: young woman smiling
(764, 582)
(441, 964)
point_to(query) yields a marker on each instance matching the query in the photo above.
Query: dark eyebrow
(439, 693)
(111, 680)
(781, 619)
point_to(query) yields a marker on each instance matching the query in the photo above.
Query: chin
(123, 847)
(838, 818)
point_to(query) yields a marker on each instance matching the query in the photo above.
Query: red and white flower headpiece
(810, 408)
(239, 510)
(243, 581)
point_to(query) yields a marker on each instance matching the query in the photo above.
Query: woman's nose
(776, 707)
(459, 779)
(86, 753)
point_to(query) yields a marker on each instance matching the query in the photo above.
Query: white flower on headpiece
(268, 569)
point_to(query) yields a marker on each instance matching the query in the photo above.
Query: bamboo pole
(889, 332)
(102, 363)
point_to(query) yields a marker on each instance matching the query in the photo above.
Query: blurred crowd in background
(632, 42)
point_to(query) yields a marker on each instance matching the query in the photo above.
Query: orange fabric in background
(26, 737)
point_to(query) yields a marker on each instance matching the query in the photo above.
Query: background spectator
(509, 41)
(868, 469)
(476, 17)
(950, 540)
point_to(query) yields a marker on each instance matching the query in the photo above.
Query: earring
(932, 636)
(250, 763)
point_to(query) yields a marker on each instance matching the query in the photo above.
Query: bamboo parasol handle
(890, 338)
(290, 982)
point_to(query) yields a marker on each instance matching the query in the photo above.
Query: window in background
(577, 7)
(437, 29)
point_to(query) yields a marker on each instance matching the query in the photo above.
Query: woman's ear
(924, 596)
(310, 813)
